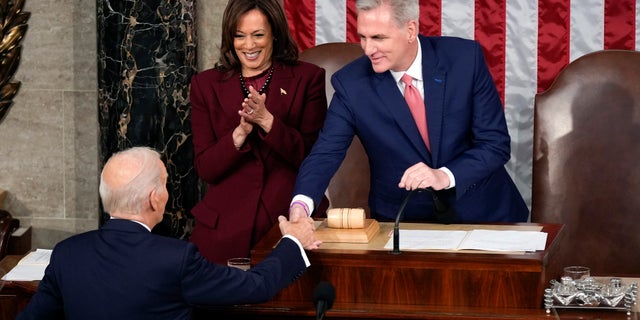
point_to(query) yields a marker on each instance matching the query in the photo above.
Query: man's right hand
(297, 212)
(422, 176)
(302, 229)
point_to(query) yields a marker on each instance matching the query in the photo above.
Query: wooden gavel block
(345, 218)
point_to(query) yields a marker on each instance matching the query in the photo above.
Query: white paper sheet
(31, 267)
(504, 240)
(479, 239)
(428, 239)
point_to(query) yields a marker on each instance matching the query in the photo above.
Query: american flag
(526, 44)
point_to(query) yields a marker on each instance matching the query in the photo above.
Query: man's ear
(412, 30)
(153, 200)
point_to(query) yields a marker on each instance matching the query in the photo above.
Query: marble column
(146, 57)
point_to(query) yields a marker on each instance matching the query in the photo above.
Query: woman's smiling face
(253, 42)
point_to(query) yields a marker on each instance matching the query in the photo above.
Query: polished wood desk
(455, 277)
(340, 311)
(374, 284)
(436, 278)
(15, 295)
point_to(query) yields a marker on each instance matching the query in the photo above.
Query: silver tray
(591, 293)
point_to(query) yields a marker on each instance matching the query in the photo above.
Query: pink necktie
(416, 105)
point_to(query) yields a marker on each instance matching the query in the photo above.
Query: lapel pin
(283, 92)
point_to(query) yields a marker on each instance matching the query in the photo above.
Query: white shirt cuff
(306, 200)
(452, 179)
(304, 254)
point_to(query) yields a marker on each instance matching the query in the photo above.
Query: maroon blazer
(250, 187)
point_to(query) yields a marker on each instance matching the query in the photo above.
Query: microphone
(396, 227)
(441, 209)
(323, 297)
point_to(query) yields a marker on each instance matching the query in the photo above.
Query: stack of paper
(478, 239)
(31, 267)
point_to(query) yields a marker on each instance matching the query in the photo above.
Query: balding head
(128, 180)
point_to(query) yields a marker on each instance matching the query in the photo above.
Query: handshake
(301, 227)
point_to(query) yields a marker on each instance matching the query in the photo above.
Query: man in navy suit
(123, 271)
(466, 128)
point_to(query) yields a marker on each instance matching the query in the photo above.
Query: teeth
(252, 55)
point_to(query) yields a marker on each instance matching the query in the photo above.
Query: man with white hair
(123, 271)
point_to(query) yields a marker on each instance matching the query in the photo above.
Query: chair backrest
(349, 187)
(7, 225)
(585, 162)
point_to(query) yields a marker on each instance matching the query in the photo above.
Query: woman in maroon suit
(255, 117)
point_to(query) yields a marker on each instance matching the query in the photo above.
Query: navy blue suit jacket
(467, 132)
(123, 271)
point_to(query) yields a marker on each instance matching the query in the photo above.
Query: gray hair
(145, 176)
(403, 10)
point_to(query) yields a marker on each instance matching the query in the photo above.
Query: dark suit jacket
(123, 271)
(257, 181)
(467, 131)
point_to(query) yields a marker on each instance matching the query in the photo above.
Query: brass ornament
(13, 26)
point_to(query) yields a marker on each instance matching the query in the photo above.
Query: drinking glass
(577, 272)
(240, 263)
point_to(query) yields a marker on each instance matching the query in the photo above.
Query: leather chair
(349, 187)
(585, 162)
(7, 225)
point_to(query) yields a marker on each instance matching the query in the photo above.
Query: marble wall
(49, 140)
(146, 58)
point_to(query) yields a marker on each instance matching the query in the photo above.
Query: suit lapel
(229, 95)
(281, 91)
(279, 97)
(434, 80)
(393, 100)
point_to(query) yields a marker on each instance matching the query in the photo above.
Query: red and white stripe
(526, 44)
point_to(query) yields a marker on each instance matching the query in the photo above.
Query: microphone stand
(440, 208)
(396, 227)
